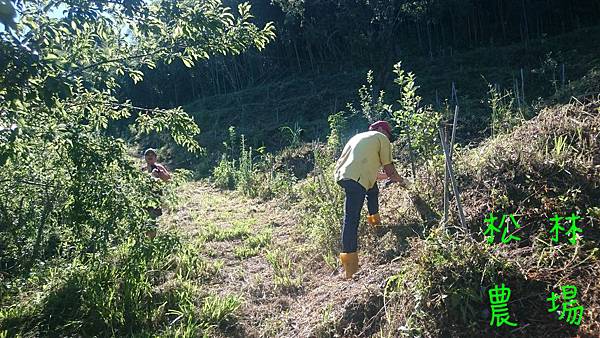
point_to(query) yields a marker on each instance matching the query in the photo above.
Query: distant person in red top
(155, 169)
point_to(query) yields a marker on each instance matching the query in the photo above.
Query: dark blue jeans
(353, 203)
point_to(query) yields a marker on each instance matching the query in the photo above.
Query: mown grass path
(287, 289)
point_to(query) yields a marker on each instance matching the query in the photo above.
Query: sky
(55, 13)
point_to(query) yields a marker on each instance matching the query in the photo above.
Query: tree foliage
(68, 186)
(417, 124)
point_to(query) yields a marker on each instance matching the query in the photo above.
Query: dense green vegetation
(71, 192)
(260, 101)
(304, 101)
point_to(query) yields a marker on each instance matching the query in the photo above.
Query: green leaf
(151, 64)
(51, 57)
(187, 61)
(177, 32)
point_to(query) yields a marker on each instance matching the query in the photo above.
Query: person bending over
(357, 171)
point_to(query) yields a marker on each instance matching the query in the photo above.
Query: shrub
(138, 287)
(372, 109)
(505, 114)
(94, 294)
(322, 200)
(253, 177)
(224, 174)
(418, 125)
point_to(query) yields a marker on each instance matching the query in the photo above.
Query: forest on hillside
(319, 36)
(167, 168)
(325, 48)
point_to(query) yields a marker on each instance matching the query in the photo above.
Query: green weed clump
(270, 181)
(506, 111)
(286, 276)
(188, 264)
(213, 232)
(94, 294)
(253, 176)
(224, 174)
(322, 203)
(217, 310)
(151, 286)
(417, 124)
(252, 245)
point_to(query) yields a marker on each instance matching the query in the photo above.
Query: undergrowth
(442, 285)
(153, 286)
(252, 245)
(287, 275)
(253, 176)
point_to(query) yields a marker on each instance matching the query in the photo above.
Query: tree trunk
(502, 23)
(419, 34)
(429, 40)
(481, 31)
(297, 56)
(525, 22)
(453, 24)
(574, 16)
(310, 56)
(192, 84)
(475, 32)
(40, 230)
(176, 92)
(442, 35)
(469, 30)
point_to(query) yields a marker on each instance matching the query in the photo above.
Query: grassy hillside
(307, 99)
(252, 250)
(229, 265)
(275, 260)
(532, 174)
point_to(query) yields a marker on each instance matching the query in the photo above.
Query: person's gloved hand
(387, 183)
(381, 176)
(404, 183)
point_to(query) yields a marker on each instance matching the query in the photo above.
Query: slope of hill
(306, 100)
(417, 278)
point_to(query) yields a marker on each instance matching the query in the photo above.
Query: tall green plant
(505, 112)
(245, 174)
(337, 124)
(293, 134)
(371, 108)
(417, 124)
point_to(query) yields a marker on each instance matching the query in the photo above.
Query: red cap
(381, 124)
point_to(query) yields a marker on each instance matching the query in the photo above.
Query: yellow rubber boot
(374, 219)
(350, 262)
